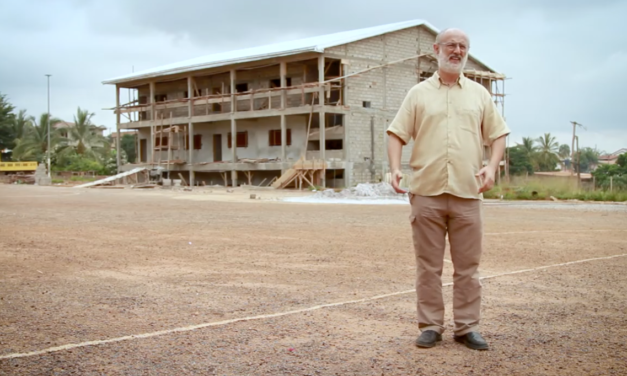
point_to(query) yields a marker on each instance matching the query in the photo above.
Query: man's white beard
(449, 67)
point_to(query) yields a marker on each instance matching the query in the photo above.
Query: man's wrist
(494, 166)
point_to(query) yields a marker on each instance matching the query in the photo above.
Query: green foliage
(614, 176)
(83, 137)
(564, 151)
(546, 155)
(128, 144)
(33, 145)
(7, 135)
(622, 160)
(545, 188)
(519, 161)
(75, 162)
(587, 157)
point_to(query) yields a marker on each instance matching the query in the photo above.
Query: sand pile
(362, 191)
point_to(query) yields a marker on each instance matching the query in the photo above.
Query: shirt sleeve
(493, 125)
(404, 122)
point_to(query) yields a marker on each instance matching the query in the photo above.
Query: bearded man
(450, 118)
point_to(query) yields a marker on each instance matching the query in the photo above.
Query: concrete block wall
(385, 88)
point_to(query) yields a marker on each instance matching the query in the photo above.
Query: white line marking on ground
(550, 232)
(279, 314)
(46, 195)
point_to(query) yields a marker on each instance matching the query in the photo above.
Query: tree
(546, 156)
(21, 125)
(519, 161)
(83, 136)
(34, 143)
(617, 172)
(6, 124)
(128, 144)
(587, 157)
(528, 146)
(564, 151)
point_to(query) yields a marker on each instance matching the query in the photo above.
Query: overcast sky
(566, 58)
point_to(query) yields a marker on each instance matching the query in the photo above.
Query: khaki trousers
(431, 218)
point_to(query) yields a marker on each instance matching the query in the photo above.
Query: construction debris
(366, 190)
(112, 179)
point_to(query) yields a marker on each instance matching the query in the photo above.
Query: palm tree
(83, 136)
(564, 151)
(529, 147)
(548, 149)
(34, 142)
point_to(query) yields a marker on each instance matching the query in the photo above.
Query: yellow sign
(18, 166)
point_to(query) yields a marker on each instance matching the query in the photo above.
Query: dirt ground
(95, 267)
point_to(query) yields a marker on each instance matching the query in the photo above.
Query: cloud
(564, 58)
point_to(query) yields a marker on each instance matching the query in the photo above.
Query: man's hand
(397, 175)
(486, 176)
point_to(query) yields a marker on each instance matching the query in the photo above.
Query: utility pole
(48, 126)
(578, 164)
(572, 148)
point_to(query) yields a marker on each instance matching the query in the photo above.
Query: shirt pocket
(468, 118)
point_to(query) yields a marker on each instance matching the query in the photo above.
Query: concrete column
(321, 100)
(153, 116)
(283, 68)
(117, 127)
(234, 150)
(190, 130)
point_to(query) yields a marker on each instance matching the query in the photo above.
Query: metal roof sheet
(312, 44)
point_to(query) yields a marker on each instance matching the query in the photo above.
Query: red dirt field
(95, 267)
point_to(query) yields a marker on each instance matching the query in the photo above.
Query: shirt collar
(461, 80)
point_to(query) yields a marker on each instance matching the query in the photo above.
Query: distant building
(63, 127)
(255, 112)
(611, 158)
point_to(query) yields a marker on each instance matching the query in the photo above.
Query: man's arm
(400, 131)
(395, 149)
(488, 173)
(494, 132)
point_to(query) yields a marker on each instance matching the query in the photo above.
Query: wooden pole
(578, 164)
(152, 122)
(233, 130)
(170, 134)
(321, 100)
(190, 135)
(117, 126)
(283, 72)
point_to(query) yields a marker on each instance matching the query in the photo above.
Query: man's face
(452, 51)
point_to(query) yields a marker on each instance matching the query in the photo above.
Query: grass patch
(58, 181)
(83, 178)
(544, 188)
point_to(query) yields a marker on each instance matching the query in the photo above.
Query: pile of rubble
(362, 191)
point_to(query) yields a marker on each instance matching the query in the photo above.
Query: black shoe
(473, 340)
(428, 338)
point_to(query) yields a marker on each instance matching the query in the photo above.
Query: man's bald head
(451, 49)
(452, 33)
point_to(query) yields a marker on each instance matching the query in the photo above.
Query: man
(450, 118)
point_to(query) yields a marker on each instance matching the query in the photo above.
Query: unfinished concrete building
(307, 112)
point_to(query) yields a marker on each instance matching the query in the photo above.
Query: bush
(543, 189)
(74, 162)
